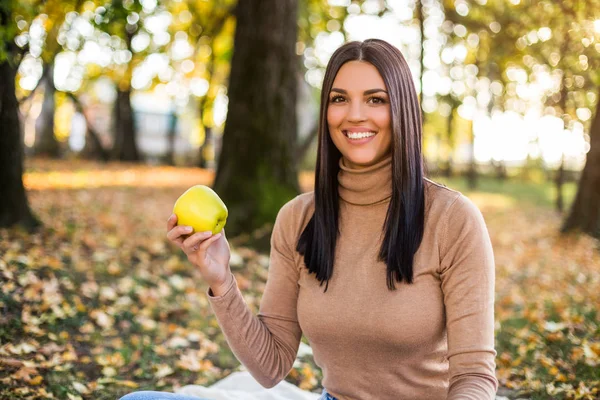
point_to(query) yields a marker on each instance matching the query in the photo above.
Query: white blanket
(242, 386)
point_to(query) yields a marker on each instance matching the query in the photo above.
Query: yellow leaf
(80, 387)
(36, 381)
(129, 384)
(24, 374)
(561, 378)
(163, 370)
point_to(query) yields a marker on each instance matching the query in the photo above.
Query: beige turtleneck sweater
(432, 339)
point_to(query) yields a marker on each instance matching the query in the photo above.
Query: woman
(389, 275)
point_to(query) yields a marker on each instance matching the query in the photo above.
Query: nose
(356, 112)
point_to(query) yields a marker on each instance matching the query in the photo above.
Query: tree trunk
(14, 207)
(447, 169)
(585, 211)
(171, 134)
(472, 172)
(305, 145)
(205, 148)
(501, 172)
(124, 146)
(256, 172)
(560, 179)
(45, 141)
(93, 147)
(560, 173)
(421, 21)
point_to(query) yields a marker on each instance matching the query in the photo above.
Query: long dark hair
(404, 222)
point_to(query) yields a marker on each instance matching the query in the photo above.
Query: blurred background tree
(552, 48)
(16, 16)
(261, 118)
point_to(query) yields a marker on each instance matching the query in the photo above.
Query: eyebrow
(370, 91)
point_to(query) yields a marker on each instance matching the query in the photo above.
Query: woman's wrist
(219, 289)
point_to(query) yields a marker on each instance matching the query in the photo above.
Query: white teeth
(359, 135)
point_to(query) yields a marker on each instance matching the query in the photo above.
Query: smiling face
(359, 116)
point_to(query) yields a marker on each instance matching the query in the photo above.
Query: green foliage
(557, 38)
(7, 29)
(10, 12)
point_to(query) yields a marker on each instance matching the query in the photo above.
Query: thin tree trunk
(204, 103)
(560, 173)
(14, 207)
(447, 171)
(560, 178)
(125, 144)
(421, 21)
(45, 140)
(256, 172)
(93, 146)
(202, 149)
(205, 148)
(171, 134)
(501, 173)
(306, 143)
(472, 172)
(585, 211)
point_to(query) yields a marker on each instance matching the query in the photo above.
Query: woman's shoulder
(298, 208)
(300, 202)
(441, 200)
(439, 195)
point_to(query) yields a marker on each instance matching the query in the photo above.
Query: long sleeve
(266, 344)
(468, 276)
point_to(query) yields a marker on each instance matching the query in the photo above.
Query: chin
(361, 160)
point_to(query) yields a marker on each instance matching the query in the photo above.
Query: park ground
(98, 303)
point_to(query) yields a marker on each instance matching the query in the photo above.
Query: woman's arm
(266, 344)
(468, 276)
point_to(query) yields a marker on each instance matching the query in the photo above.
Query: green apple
(202, 209)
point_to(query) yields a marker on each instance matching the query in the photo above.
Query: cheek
(382, 118)
(335, 116)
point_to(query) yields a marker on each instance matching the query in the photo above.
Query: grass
(541, 194)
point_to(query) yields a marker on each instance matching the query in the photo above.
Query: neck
(365, 185)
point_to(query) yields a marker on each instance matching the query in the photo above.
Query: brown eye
(377, 100)
(335, 99)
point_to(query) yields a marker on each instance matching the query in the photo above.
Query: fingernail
(207, 233)
(189, 229)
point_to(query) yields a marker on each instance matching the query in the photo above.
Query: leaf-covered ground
(98, 304)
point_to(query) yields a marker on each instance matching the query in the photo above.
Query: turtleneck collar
(365, 186)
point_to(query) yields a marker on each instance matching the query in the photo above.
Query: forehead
(359, 76)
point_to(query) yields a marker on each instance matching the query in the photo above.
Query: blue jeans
(151, 395)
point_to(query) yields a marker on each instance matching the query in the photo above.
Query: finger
(206, 243)
(191, 244)
(171, 222)
(177, 234)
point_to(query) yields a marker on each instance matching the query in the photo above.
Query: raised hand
(209, 253)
